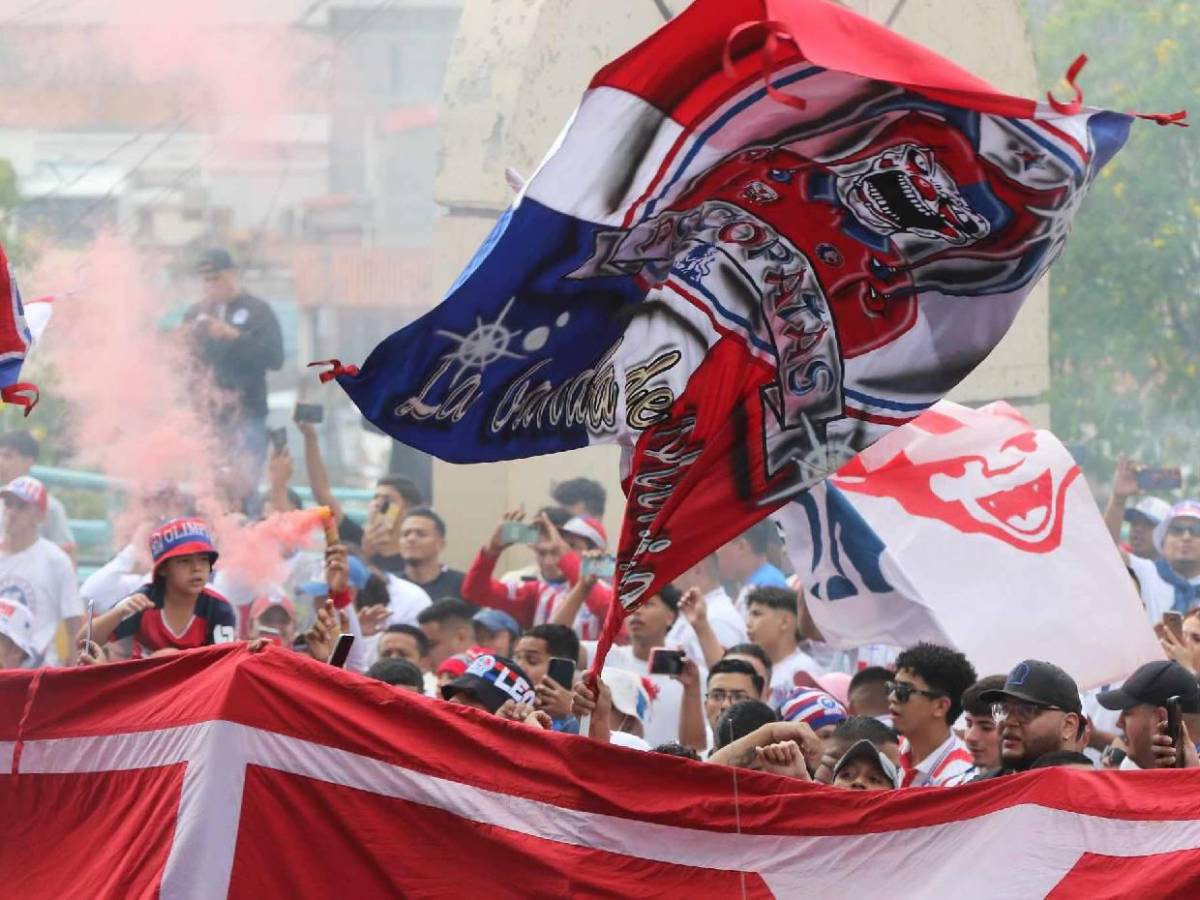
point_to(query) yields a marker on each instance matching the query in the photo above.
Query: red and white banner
(970, 527)
(217, 772)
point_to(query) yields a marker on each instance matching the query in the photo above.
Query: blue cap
(495, 620)
(358, 578)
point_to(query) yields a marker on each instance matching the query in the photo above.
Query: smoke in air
(136, 402)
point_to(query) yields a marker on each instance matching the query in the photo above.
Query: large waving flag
(770, 233)
(969, 528)
(219, 773)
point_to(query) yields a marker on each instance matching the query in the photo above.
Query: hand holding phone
(1159, 479)
(561, 671)
(278, 438)
(666, 662)
(600, 566)
(341, 650)
(519, 533)
(308, 414)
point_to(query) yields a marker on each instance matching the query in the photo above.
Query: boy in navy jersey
(176, 610)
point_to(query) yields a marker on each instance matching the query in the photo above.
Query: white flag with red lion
(973, 528)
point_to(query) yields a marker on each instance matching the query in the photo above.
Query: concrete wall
(515, 75)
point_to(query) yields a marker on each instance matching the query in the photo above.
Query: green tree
(1125, 297)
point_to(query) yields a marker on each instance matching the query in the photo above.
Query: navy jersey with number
(212, 622)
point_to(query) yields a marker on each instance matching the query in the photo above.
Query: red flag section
(217, 771)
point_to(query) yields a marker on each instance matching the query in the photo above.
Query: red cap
(28, 490)
(181, 537)
(262, 604)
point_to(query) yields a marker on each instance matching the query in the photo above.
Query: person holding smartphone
(548, 654)
(236, 337)
(1142, 518)
(1143, 702)
(559, 569)
(1171, 583)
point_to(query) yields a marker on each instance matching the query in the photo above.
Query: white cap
(16, 624)
(625, 739)
(1184, 509)
(1153, 508)
(629, 696)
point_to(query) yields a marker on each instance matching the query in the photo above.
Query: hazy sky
(30, 12)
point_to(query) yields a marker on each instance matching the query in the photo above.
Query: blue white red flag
(891, 548)
(770, 233)
(15, 341)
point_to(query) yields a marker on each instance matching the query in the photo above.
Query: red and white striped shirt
(948, 765)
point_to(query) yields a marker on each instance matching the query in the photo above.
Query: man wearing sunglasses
(1037, 711)
(1172, 582)
(924, 700)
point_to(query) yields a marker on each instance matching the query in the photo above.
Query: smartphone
(309, 413)
(278, 438)
(666, 662)
(562, 671)
(87, 635)
(341, 650)
(1113, 756)
(1174, 622)
(600, 566)
(519, 533)
(1175, 727)
(1151, 479)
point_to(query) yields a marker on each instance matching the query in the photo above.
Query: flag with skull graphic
(750, 254)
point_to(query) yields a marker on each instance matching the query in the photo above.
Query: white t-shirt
(114, 581)
(662, 722)
(1158, 596)
(405, 600)
(727, 624)
(783, 674)
(41, 576)
(1102, 719)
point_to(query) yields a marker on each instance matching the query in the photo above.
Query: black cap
(218, 259)
(492, 680)
(1153, 684)
(1039, 682)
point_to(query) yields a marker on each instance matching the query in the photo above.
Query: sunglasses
(903, 691)
(1180, 530)
(1020, 711)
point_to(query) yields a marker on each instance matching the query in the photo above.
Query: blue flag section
(517, 333)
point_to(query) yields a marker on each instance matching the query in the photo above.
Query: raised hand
(781, 758)
(337, 569)
(324, 633)
(373, 619)
(1125, 478)
(497, 544)
(553, 698)
(693, 606)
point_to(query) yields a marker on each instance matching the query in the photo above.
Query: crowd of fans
(725, 665)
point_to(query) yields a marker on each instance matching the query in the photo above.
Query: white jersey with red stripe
(949, 765)
(550, 593)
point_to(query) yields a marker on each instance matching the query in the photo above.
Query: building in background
(326, 199)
